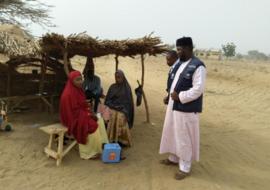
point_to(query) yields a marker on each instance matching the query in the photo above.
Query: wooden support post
(144, 96)
(50, 106)
(9, 80)
(116, 62)
(66, 67)
(42, 78)
(43, 73)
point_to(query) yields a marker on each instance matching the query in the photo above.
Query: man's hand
(174, 96)
(166, 100)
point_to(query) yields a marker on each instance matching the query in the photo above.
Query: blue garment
(93, 85)
(93, 90)
(185, 83)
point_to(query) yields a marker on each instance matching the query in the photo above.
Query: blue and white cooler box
(111, 153)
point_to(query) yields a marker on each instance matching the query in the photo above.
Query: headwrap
(119, 97)
(74, 111)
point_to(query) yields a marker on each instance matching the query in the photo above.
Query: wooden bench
(53, 130)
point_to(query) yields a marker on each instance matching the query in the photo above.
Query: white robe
(181, 136)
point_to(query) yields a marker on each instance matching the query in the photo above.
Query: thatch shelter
(60, 47)
(39, 68)
(25, 73)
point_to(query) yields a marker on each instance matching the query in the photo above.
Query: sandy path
(235, 140)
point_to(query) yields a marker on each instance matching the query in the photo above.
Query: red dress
(74, 111)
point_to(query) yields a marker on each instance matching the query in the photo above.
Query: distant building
(208, 54)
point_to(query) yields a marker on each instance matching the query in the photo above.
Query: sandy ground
(235, 139)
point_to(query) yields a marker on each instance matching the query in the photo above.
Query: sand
(234, 127)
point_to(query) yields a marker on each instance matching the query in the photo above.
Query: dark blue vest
(171, 76)
(185, 83)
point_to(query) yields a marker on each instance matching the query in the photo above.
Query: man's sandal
(167, 162)
(181, 175)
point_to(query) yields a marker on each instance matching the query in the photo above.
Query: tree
(24, 12)
(229, 49)
(255, 54)
(239, 56)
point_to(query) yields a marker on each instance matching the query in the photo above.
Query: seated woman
(76, 115)
(120, 102)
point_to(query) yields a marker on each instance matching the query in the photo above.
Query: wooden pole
(144, 96)
(9, 80)
(43, 73)
(42, 78)
(116, 62)
(66, 67)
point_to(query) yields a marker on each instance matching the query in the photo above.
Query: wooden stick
(43, 73)
(60, 148)
(50, 152)
(116, 62)
(142, 60)
(50, 143)
(66, 67)
(69, 147)
(47, 103)
(42, 78)
(144, 96)
(9, 80)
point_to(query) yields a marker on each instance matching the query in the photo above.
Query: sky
(210, 23)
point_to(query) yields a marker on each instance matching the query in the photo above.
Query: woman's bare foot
(96, 157)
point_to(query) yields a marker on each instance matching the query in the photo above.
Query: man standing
(173, 63)
(180, 136)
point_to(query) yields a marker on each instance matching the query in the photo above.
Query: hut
(25, 73)
(38, 69)
(63, 48)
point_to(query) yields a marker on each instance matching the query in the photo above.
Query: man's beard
(183, 58)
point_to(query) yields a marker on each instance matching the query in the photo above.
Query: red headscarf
(74, 113)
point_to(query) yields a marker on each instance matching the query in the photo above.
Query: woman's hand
(94, 117)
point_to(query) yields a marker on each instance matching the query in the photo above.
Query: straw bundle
(13, 47)
(84, 45)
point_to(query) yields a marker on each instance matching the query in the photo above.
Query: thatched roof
(84, 45)
(14, 42)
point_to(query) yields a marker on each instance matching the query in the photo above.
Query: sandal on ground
(167, 162)
(122, 157)
(181, 175)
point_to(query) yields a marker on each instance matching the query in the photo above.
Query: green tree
(255, 54)
(239, 56)
(24, 12)
(229, 49)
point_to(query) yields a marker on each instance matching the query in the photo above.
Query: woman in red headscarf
(75, 114)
